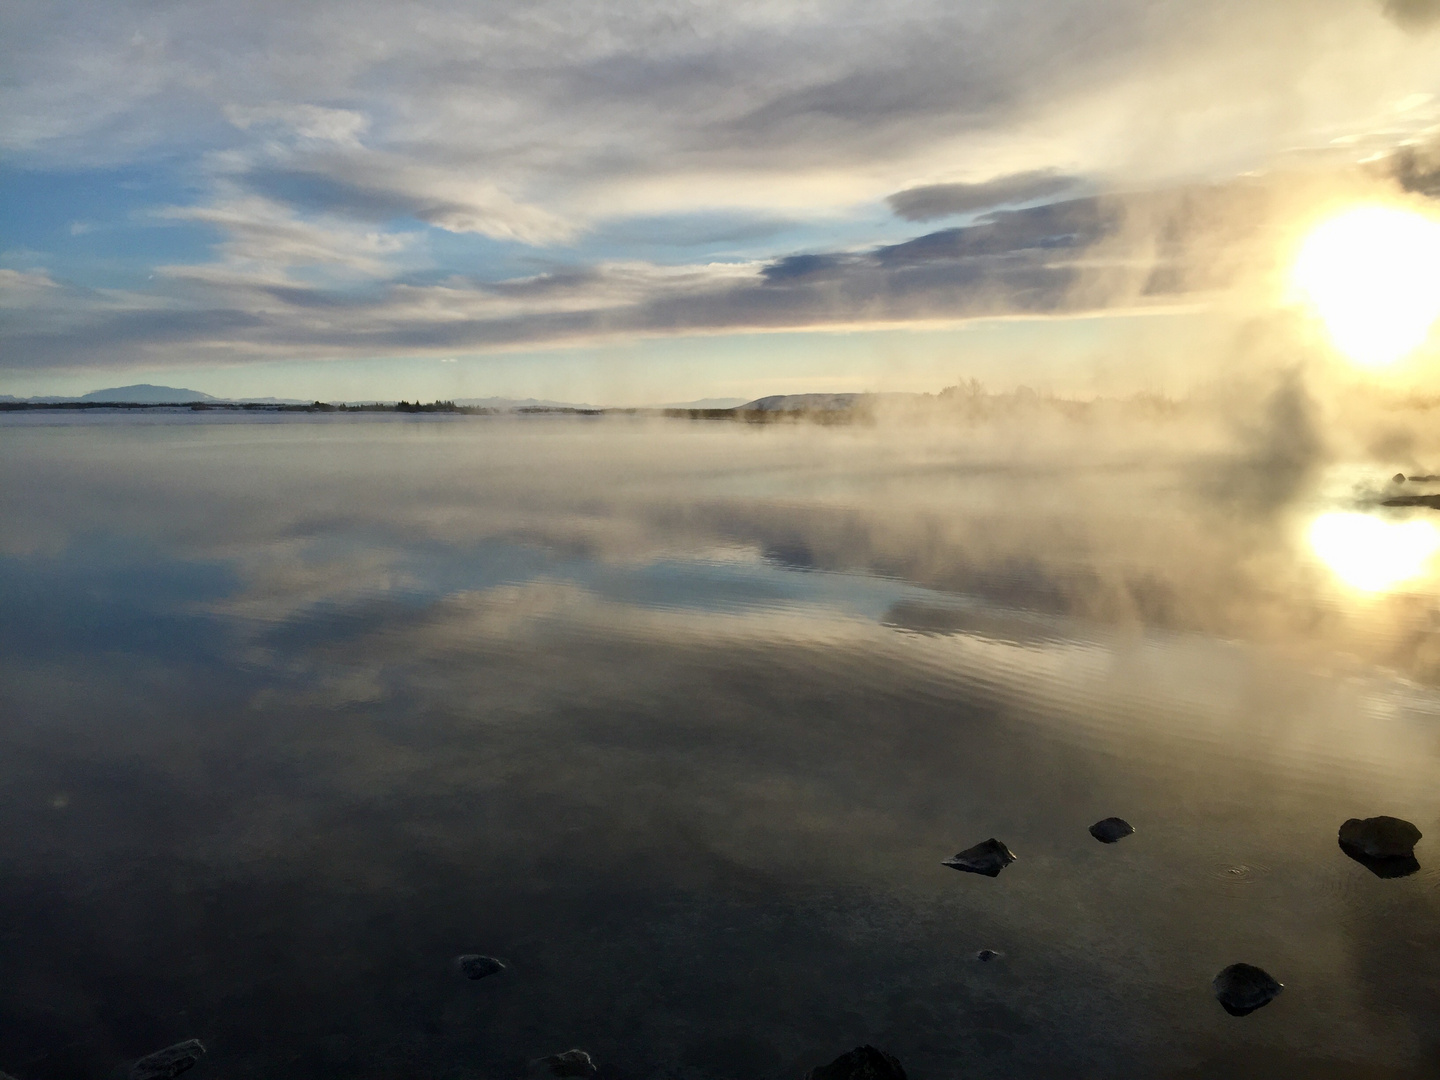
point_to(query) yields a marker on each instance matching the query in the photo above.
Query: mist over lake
(678, 720)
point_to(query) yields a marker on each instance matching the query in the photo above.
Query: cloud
(334, 146)
(378, 187)
(1414, 14)
(943, 200)
(1023, 261)
(307, 121)
(13, 282)
(328, 287)
(269, 236)
(571, 108)
(1417, 168)
(805, 268)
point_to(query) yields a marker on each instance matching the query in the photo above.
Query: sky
(630, 202)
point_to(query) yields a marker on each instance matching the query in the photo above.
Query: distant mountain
(802, 403)
(146, 394)
(149, 394)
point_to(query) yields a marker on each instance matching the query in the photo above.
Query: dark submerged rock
(1243, 988)
(570, 1063)
(1380, 837)
(986, 955)
(167, 1063)
(988, 858)
(475, 966)
(862, 1063)
(1111, 829)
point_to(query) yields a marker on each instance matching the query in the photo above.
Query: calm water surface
(679, 721)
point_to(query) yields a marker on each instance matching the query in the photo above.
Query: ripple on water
(1430, 877)
(1243, 881)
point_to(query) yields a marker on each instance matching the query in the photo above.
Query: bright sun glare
(1373, 276)
(1370, 553)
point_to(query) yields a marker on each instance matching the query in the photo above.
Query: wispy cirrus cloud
(931, 201)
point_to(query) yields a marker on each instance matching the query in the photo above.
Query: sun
(1372, 274)
(1370, 553)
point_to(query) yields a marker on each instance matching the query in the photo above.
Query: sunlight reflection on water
(1371, 553)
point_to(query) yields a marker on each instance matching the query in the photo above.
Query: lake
(679, 720)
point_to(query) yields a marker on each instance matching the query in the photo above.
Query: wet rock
(1111, 829)
(988, 858)
(1243, 988)
(862, 1063)
(1379, 837)
(986, 955)
(475, 966)
(167, 1063)
(570, 1063)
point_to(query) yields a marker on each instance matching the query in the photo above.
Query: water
(679, 720)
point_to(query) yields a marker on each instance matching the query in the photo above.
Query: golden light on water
(1370, 553)
(1372, 274)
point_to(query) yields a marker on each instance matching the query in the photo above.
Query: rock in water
(475, 966)
(167, 1063)
(1111, 829)
(1380, 837)
(988, 858)
(570, 1063)
(986, 955)
(1383, 845)
(1243, 988)
(862, 1063)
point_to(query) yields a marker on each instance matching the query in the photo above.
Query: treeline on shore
(967, 401)
(279, 407)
